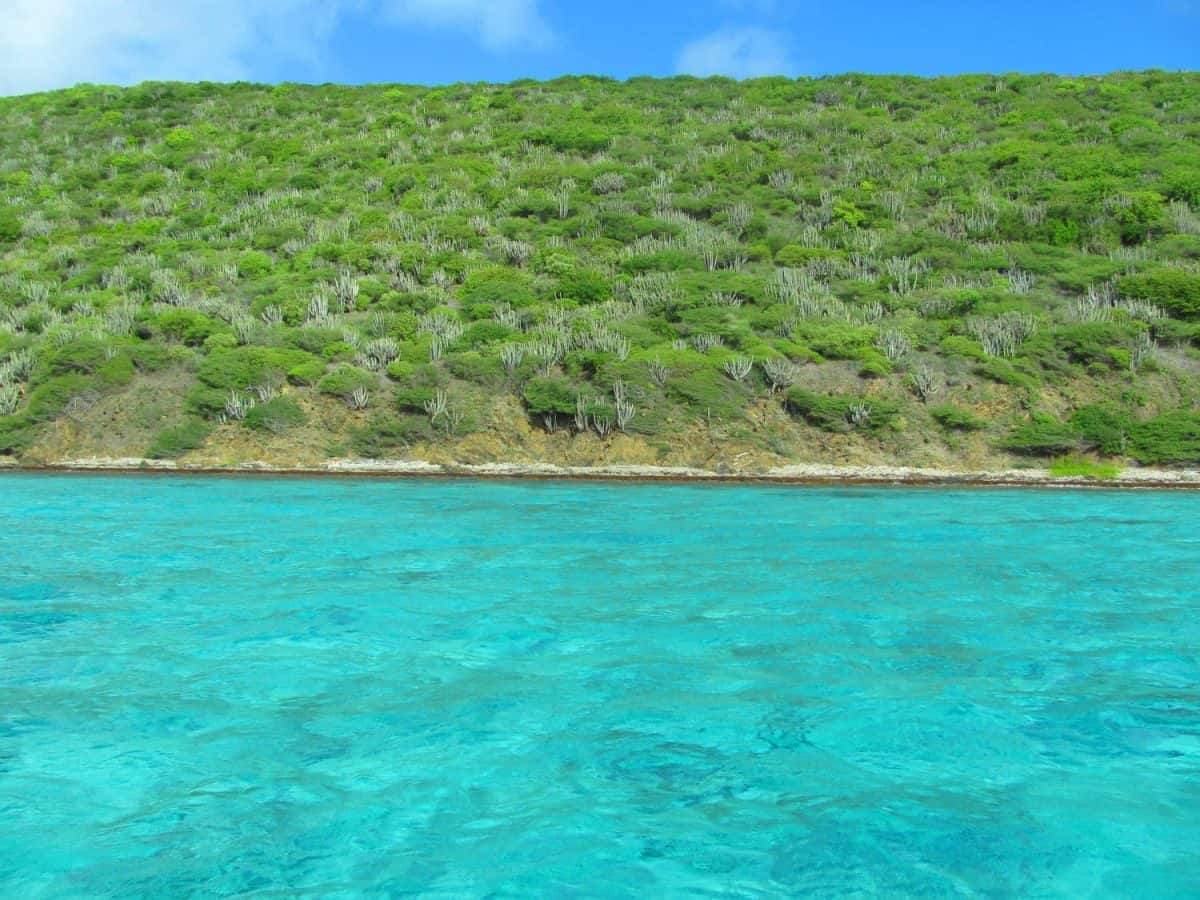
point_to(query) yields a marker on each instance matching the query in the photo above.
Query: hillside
(964, 272)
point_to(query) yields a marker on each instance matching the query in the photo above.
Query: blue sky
(56, 43)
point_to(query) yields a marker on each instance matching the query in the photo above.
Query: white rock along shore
(798, 473)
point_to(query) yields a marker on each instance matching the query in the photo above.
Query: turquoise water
(339, 688)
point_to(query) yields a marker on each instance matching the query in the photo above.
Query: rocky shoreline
(800, 473)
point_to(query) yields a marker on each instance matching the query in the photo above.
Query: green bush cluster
(1171, 438)
(179, 439)
(277, 416)
(387, 436)
(837, 412)
(345, 380)
(955, 418)
(240, 369)
(1078, 467)
(1176, 291)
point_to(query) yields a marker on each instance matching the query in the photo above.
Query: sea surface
(279, 687)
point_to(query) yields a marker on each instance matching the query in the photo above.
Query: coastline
(799, 473)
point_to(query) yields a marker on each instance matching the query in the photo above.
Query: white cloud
(48, 44)
(499, 24)
(736, 52)
(54, 43)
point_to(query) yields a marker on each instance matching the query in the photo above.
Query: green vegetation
(894, 267)
(277, 415)
(1077, 467)
(179, 439)
(839, 413)
(956, 418)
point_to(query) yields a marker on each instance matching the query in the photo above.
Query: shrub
(574, 137)
(1176, 291)
(254, 264)
(959, 345)
(16, 434)
(224, 340)
(837, 412)
(1104, 430)
(499, 284)
(480, 334)
(239, 369)
(1172, 331)
(485, 370)
(151, 357)
(10, 227)
(707, 392)
(401, 370)
(585, 285)
(307, 373)
(956, 418)
(419, 387)
(187, 326)
(1042, 435)
(668, 260)
(50, 397)
(835, 340)
(718, 320)
(1172, 438)
(345, 380)
(874, 364)
(1094, 342)
(179, 439)
(243, 367)
(276, 416)
(1077, 467)
(312, 340)
(82, 357)
(338, 351)
(384, 435)
(550, 396)
(1004, 372)
(796, 256)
